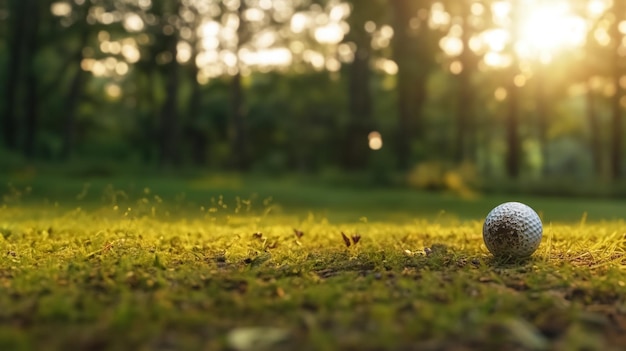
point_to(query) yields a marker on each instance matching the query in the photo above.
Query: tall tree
(413, 53)
(595, 143)
(31, 82)
(617, 129)
(168, 146)
(73, 98)
(80, 30)
(195, 129)
(590, 72)
(541, 107)
(74, 42)
(355, 153)
(512, 126)
(592, 66)
(512, 118)
(253, 23)
(238, 108)
(465, 123)
(18, 23)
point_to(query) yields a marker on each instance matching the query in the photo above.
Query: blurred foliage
(462, 179)
(103, 76)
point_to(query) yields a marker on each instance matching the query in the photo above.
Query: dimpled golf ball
(512, 229)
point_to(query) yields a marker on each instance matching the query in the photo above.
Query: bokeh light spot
(500, 94)
(375, 140)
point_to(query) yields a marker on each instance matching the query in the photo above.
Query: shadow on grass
(510, 261)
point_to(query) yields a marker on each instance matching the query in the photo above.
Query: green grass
(163, 264)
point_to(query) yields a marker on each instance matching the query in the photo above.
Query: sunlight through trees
(500, 84)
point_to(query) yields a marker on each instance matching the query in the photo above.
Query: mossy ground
(114, 268)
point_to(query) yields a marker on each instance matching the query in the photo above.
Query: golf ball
(512, 229)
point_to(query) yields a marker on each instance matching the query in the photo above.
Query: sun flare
(547, 27)
(536, 29)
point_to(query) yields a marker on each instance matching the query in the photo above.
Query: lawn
(228, 262)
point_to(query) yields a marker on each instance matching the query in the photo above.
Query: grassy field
(229, 262)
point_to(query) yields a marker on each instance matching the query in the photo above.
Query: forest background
(458, 95)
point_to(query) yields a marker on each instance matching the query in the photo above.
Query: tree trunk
(197, 132)
(73, 99)
(32, 98)
(512, 130)
(405, 125)
(169, 114)
(238, 112)
(357, 150)
(18, 24)
(465, 108)
(616, 103)
(512, 119)
(32, 114)
(412, 54)
(239, 141)
(542, 116)
(594, 130)
(401, 55)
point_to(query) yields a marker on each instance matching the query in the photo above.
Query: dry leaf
(355, 238)
(298, 233)
(345, 239)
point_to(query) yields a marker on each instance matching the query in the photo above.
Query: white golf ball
(512, 229)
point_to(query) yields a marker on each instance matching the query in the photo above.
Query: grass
(166, 264)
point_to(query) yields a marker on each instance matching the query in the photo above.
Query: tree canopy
(513, 88)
